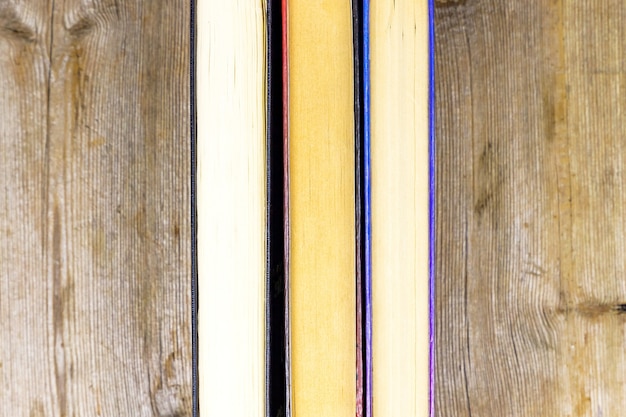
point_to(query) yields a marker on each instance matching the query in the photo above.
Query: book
(321, 208)
(399, 208)
(315, 201)
(231, 68)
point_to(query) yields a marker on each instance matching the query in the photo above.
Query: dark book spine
(357, 35)
(275, 400)
(286, 236)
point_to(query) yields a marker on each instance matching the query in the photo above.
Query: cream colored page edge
(400, 195)
(231, 203)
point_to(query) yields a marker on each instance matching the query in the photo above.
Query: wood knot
(13, 26)
(82, 21)
(620, 308)
(594, 309)
(448, 3)
(170, 402)
(81, 27)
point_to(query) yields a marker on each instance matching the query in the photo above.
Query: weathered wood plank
(95, 261)
(530, 228)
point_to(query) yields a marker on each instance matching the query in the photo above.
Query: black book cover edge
(275, 270)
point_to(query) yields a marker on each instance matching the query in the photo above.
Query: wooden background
(94, 208)
(531, 154)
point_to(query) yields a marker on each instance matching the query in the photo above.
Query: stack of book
(314, 198)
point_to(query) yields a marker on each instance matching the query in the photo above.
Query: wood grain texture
(95, 261)
(530, 219)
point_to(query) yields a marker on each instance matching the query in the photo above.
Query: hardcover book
(315, 204)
